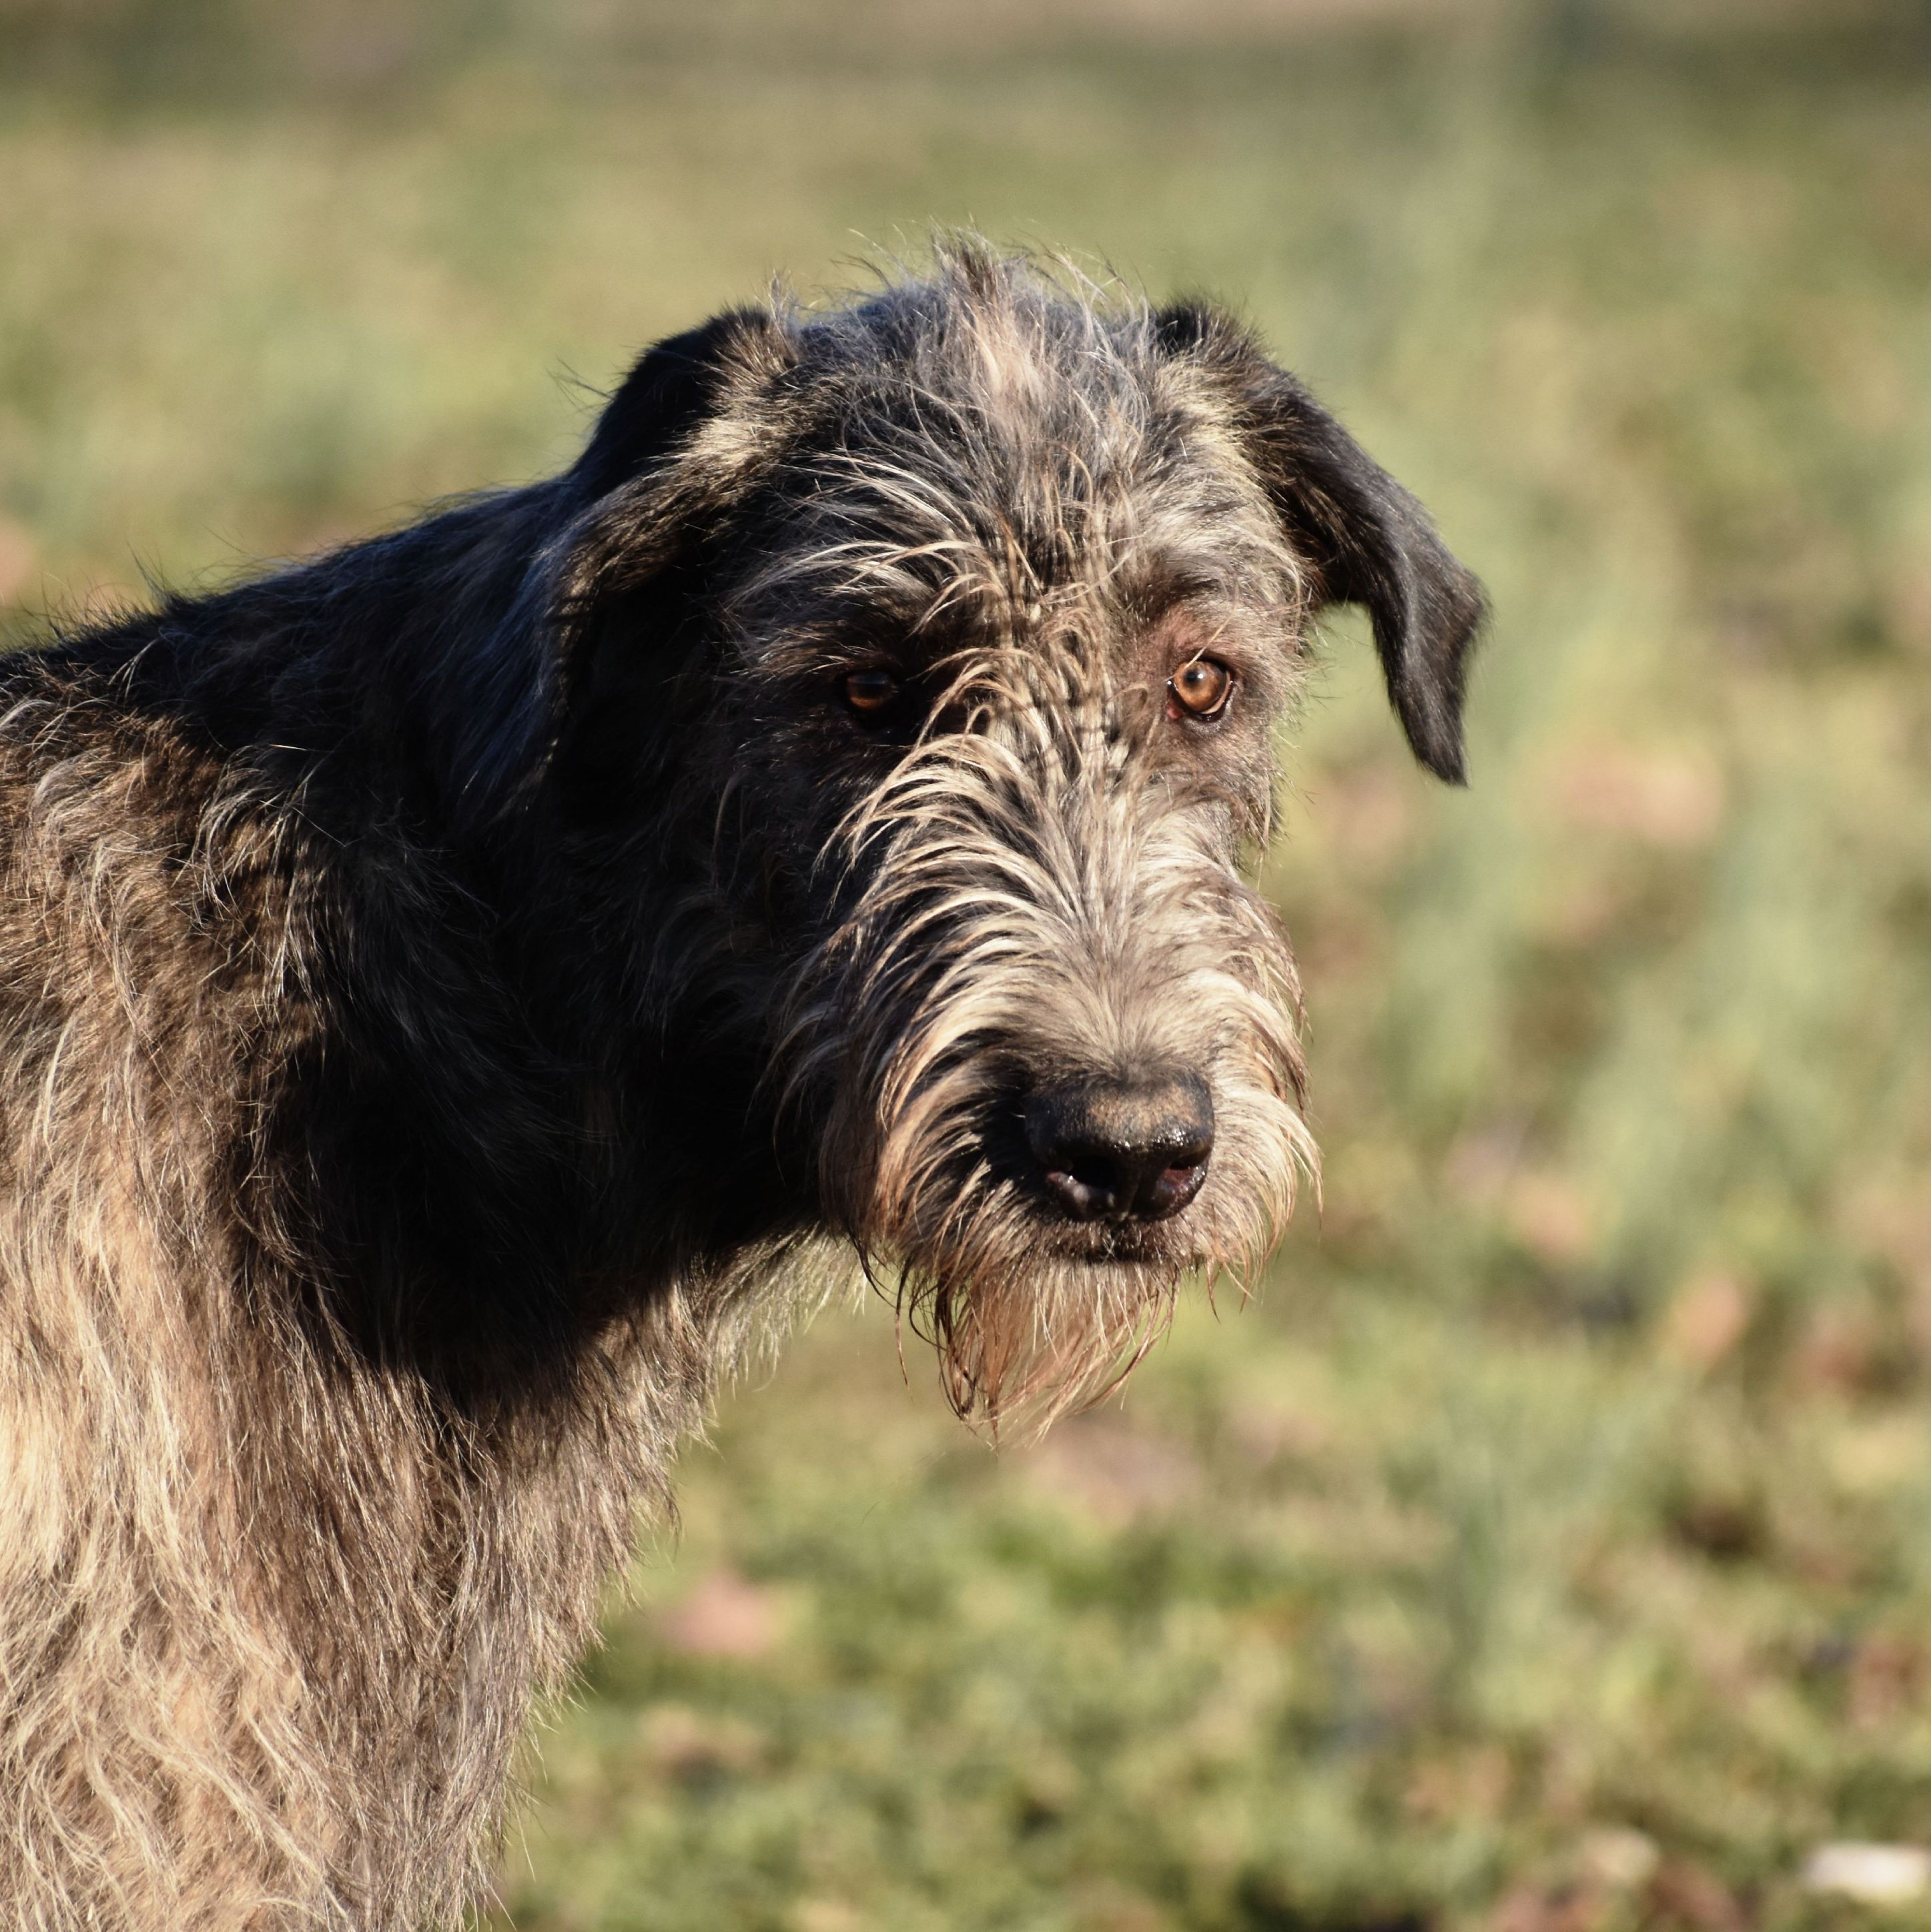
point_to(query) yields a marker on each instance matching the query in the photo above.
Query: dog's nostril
(1111, 1150)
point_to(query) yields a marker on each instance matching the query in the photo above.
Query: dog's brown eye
(869, 692)
(1202, 687)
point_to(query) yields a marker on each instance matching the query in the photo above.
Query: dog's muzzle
(1111, 1150)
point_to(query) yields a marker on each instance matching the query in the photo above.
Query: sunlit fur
(458, 993)
(1035, 893)
(1027, 914)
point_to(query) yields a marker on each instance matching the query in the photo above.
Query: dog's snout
(1112, 1149)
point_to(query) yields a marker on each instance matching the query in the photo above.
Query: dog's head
(974, 607)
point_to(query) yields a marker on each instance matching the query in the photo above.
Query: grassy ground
(1551, 1548)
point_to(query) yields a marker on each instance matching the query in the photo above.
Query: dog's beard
(1032, 1314)
(1013, 933)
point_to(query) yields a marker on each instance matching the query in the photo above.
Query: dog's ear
(694, 426)
(672, 388)
(1363, 539)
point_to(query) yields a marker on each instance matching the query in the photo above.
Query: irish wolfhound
(450, 984)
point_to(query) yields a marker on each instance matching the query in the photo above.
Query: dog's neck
(555, 1084)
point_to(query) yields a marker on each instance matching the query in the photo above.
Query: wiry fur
(451, 987)
(1027, 917)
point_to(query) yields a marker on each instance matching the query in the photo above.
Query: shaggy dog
(453, 985)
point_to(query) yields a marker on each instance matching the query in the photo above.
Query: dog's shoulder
(136, 861)
(86, 768)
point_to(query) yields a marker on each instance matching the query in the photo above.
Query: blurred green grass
(1550, 1548)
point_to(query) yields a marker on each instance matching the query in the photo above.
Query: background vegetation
(1550, 1548)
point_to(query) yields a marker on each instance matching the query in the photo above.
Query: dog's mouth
(1086, 1207)
(1169, 1245)
(1050, 1176)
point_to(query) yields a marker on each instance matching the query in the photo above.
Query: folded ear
(1363, 539)
(697, 422)
(694, 425)
(673, 387)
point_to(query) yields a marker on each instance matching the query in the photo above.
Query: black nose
(1122, 1150)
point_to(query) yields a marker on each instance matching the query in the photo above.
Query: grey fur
(457, 989)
